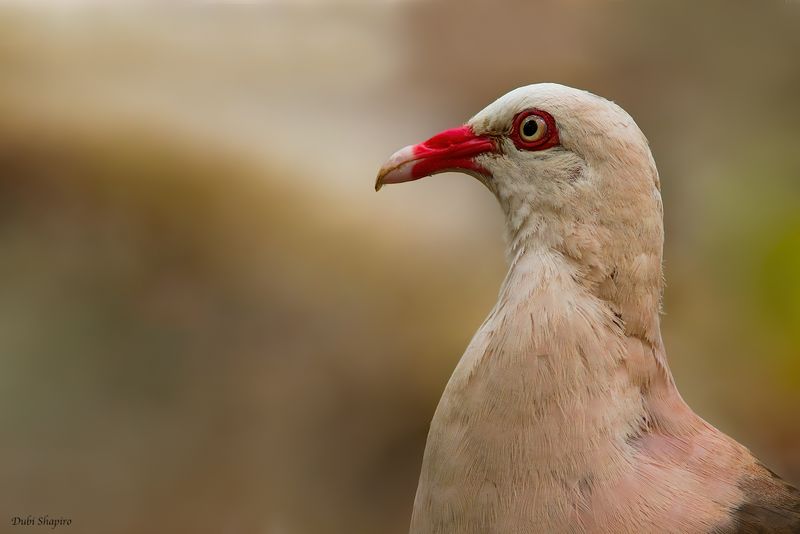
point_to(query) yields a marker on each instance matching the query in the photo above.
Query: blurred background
(210, 322)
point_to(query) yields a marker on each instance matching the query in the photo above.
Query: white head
(574, 175)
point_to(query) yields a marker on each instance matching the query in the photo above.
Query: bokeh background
(210, 323)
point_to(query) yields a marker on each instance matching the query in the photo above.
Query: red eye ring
(548, 140)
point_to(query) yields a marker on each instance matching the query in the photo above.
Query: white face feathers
(601, 156)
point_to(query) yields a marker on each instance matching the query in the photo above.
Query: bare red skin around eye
(550, 138)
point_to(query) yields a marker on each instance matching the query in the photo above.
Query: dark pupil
(530, 127)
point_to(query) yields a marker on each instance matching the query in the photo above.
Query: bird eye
(532, 128)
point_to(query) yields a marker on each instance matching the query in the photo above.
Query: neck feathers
(542, 396)
(615, 257)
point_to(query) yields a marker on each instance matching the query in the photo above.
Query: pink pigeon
(562, 415)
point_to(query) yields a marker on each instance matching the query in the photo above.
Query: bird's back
(769, 505)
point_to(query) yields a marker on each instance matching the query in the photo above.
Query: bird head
(574, 176)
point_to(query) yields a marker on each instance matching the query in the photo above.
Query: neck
(549, 395)
(542, 385)
(590, 350)
(619, 266)
(570, 350)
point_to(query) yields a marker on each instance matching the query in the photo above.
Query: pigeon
(562, 415)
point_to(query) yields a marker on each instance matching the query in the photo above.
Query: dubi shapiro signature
(40, 521)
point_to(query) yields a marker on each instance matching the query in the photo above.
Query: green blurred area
(210, 323)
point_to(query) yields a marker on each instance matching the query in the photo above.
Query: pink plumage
(562, 415)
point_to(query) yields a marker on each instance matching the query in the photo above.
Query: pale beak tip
(380, 181)
(397, 169)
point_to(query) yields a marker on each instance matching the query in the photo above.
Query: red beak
(451, 150)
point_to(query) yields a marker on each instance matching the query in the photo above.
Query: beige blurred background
(209, 321)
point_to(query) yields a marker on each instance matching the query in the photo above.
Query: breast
(520, 434)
